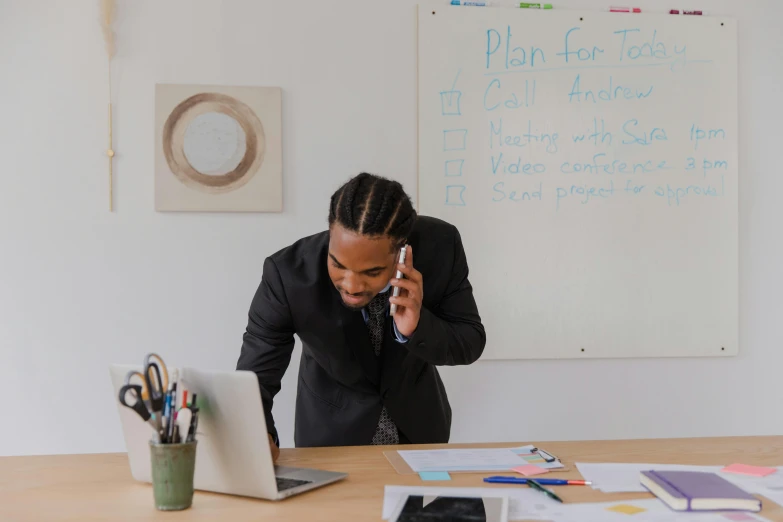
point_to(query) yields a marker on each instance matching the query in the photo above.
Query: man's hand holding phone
(408, 303)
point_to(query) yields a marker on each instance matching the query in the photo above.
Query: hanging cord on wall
(107, 22)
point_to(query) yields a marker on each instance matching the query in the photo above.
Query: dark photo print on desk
(417, 508)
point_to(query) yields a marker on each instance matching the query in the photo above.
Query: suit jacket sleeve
(451, 333)
(268, 340)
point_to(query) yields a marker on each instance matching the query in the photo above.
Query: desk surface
(100, 487)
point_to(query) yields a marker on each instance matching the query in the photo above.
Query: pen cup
(173, 467)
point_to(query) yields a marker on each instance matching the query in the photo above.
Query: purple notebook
(698, 491)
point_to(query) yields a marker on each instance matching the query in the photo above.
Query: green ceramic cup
(173, 466)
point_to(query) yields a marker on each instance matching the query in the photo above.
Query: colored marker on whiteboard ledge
(526, 5)
(625, 10)
(475, 3)
(677, 12)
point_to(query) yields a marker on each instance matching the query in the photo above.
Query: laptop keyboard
(286, 483)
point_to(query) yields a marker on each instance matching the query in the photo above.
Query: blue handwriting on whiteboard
(698, 134)
(501, 195)
(584, 193)
(656, 134)
(706, 164)
(582, 54)
(597, 135)
(512, 101)
(512, 57)
(633, 47)
(608, 94)
(599, 165)
(675, 195)
(521, 140)
(515, 166)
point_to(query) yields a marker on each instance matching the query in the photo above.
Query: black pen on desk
(535, 485)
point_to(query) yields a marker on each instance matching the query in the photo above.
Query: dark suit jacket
(343, 385)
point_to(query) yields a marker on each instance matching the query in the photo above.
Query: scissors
(145, 394)
(156, 378)
(137, 403)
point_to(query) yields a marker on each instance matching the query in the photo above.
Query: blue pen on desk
(543, 482)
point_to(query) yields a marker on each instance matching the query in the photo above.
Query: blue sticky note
(435, 475)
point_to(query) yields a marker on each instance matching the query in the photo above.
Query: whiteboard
(590, 163)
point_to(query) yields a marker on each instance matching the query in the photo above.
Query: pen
(193, 421)
(625, 10)
(535, 485)
(165, 419)
(172, 411)
(545, 482)
(526, 5)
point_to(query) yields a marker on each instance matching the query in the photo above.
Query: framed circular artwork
(218, 148)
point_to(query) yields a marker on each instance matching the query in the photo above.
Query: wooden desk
(99, 487)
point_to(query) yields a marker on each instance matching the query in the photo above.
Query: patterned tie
(386, 432)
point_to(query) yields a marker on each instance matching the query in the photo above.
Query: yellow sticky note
(627, 509)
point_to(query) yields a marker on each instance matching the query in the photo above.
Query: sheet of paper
(462, 459)
(474, 459)
(523, 503)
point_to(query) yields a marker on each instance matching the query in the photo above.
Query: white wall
(81, 288)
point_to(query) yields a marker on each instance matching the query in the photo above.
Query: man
(365, 376)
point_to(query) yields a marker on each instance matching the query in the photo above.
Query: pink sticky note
(744, 469)
(529, 470)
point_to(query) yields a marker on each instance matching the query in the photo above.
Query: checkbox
(450, 103)
(454, 168)
(454, 139)
(454, 195)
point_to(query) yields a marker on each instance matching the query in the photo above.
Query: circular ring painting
(213, 143)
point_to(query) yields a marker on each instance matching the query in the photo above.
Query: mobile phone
(398, 275)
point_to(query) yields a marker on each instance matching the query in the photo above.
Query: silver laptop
(233, 453)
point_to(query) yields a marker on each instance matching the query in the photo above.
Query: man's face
(359, 266)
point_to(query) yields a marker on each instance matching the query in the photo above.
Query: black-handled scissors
(156, 377)
(136, 403)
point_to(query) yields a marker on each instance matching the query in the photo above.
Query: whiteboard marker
(625, 10)
(677, 11)
(475, 3)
